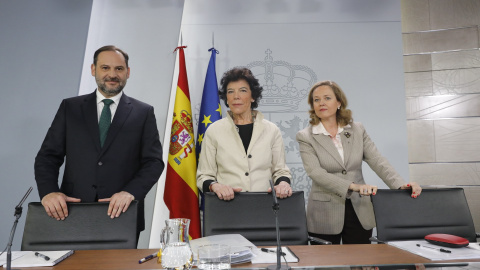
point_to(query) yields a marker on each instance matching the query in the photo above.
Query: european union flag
(210, 110)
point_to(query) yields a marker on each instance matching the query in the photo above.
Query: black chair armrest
(319, 241)
(375, 239)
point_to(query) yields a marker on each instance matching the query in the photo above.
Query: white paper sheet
(29, 259)
(433, 252)
(264, 257)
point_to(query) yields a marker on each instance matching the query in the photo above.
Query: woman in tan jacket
(332, 148)
(243, 151)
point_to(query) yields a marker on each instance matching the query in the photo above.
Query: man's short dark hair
(112, 49)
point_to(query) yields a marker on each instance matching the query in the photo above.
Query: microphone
(18, 214)
(276, 207)
(19, 206)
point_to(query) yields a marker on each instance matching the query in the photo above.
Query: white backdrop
(148, 31)
(355, 43)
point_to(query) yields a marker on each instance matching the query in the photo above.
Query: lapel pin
(347, 134)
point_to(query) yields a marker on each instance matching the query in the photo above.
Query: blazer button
(344, 172)
(100, 163)
(249, 156)
(246, 174)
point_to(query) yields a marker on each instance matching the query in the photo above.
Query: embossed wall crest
(284, 85)
(284, 102)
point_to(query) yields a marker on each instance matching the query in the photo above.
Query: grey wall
(41, 55)
(47, 45)
(442, 71)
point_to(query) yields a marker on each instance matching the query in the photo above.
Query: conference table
(312, 257)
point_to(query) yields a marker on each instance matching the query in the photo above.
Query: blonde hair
(344, 115)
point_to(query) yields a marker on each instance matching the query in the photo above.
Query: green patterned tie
(105, 120)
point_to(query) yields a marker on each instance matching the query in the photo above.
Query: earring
(338, 108)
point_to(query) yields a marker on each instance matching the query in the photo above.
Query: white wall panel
(148, 31)
(357, 45)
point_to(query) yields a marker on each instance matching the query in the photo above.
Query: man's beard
(111, 91)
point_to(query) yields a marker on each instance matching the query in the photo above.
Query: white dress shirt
(113, 106)
(337, 141)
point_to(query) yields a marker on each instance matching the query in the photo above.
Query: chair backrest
(87, 227)
(443, 210)
(251, 215)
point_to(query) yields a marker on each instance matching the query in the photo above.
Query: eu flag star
(206, 120)
(208, 113)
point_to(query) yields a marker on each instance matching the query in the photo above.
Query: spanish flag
(181, 192)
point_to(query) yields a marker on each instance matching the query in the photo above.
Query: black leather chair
(400, 217)
(87, 227)
(251, 215)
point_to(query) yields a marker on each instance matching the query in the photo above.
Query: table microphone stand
(276, 207)
(18, 214)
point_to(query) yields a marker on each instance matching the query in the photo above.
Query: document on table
(433, 252)
(29, 259)
(271, 257)
(15, 255)
(240, 247)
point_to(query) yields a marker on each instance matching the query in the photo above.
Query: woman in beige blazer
(243, 151)
(332, 148)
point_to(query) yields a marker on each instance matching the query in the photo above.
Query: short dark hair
(241, 73)
(110, 48)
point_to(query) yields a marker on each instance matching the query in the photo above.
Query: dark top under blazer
(130, 160)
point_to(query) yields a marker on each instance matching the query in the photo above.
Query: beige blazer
(223, 156)
(331, 177)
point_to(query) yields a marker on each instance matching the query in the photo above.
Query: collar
(115, 99)
(320, 129)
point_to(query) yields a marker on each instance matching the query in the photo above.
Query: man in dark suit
(109, 142)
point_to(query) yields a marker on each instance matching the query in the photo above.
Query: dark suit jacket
(130, 160)
(331, 177)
